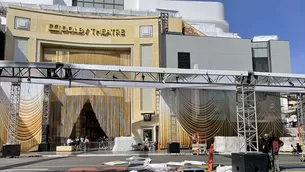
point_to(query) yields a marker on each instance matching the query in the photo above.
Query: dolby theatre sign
(59, 29)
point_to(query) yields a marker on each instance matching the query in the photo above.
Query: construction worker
(274, 144)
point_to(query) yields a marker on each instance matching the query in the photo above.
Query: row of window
(260, 59)
(107, 4)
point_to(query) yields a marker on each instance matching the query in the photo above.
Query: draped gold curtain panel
(112, 106)
(212, 113)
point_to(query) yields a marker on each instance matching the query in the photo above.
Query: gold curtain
(112, 106)
(30, 114)
(214, 114)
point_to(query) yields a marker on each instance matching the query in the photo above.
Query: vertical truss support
(164, 22)
(301, 116)
(173, 117)
(157, 112)
(45, 115)
(247, 117)
(13, 113)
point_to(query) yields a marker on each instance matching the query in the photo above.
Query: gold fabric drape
(213, 114)
(30, 115)
(111, 105)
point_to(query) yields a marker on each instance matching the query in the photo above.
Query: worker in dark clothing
(274, 144)
(265, 148)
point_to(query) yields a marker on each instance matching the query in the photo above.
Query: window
(261, 57)
(147, 132)
(22, 23)
(107, 4)
(184, 61)
(146, 31)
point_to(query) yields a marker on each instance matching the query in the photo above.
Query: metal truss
(247, 117)
(164, 22)
(301, 116)
(45, 115)
(173, 115)
(144, 77)
(13, 113)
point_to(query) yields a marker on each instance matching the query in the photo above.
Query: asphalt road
(66, 163)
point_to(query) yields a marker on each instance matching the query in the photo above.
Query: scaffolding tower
(173, 115)
(45, 115)
(247, 117)
(300, 116)
(13, 113)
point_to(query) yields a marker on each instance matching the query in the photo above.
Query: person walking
(265, 149)
(274, 144)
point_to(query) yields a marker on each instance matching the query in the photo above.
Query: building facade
(36, 35)
(207, 17)
(204, 111)
(43, 36)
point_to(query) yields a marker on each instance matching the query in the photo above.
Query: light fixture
(143, 77)
(114, 77)
(177, 79)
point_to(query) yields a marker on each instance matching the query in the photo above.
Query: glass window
(121, 2)
(80, 4)
(99, 5)
(147, 133)
(89, 5)
(259, 44)
(261, 65)
(107, 6)
(99, 1)
(146, 31)
(260, 52)
(119, 7)
(184, 60)
(108, 1)
(88, 0)
(22, 23)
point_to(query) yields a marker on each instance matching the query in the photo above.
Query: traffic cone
(210, 161)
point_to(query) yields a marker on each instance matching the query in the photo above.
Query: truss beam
(13, 113)
(247, 117)
(143, 77)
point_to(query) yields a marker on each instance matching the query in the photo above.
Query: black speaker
(11, 150)
(173, 147)
(44, 147)
(249, 162)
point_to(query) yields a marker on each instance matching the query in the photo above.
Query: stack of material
(123, 143)
(228, 144)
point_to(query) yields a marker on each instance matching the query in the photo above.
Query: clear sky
(285, 18)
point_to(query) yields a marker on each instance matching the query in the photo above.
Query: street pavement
(66, 163)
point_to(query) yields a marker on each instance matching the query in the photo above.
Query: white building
(207, 17)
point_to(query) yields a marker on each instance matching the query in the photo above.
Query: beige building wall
(91, 32)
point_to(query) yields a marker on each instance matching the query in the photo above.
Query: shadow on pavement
(37, 161)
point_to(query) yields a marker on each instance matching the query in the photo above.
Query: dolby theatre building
(35, 35)
(46, 35)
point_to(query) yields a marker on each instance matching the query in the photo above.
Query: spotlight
(163, 81)
(177, 78)
(143, 77)
(291, 83)
(114, 77)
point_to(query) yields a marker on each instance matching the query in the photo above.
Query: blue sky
(285, 18)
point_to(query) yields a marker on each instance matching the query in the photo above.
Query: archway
(87, 124)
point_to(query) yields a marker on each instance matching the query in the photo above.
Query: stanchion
(210, 165)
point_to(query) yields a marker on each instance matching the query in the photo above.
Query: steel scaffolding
(247, 117)
(13, 113)
(45, 115)
(301, 116)
(243, 82)
(173, 115)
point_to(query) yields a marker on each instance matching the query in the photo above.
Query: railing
(87, 11)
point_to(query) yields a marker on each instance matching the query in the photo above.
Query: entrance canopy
(145, 77)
